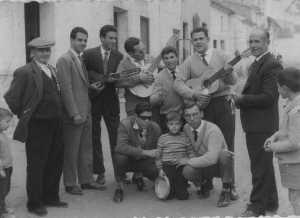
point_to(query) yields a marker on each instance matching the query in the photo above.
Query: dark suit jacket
(259, 101)
(23, 96)
(108, 97)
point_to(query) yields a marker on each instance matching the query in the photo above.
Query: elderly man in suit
(73, 78)
(34, 96)
(101, 62)
(258, 104)
(212, 157)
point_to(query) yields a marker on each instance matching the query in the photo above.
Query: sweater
(210, 142)
(172, 148)
(287, 145)
(193, 67)
(170, 101)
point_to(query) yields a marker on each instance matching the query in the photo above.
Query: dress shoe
(251, 213)
(272, 208)
(93, 186)
(140, 184)
(101, 179)
(203, 193)
(74, 190)
(119, 195)
(39, 211)
(224, 199)
(59, 204)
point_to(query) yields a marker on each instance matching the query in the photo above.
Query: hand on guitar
(146, 78)
(201, 98)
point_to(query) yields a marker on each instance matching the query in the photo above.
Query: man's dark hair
(107, 28)
(76, 30)
(168, 50)
(199, 30)
(290, 77)
(142, 107)
(4, 113)
(130, 43)
(173, 116)
(188, 106)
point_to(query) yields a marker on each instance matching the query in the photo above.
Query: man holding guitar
(135, 76)
(215, 100)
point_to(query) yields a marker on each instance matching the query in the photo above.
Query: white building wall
(12, 36)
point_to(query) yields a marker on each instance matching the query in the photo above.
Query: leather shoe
(119, 195)
(224, 199)
(139, 181)
(74, 190)
(93, 186)
(101, 179)
(39, 211)
(59, 204)
(250, 213)
(203, 193)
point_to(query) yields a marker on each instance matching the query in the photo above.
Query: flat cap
(40, 42)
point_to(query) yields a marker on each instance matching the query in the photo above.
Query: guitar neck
(220, 73)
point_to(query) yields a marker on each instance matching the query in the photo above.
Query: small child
(286, 141)
(173, 147)
(5, 160)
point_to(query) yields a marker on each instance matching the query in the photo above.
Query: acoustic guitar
(210, 84)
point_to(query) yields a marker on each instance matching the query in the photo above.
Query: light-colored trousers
(78, 153)
(294, 197)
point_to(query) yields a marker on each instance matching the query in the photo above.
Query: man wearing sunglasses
(136, 148)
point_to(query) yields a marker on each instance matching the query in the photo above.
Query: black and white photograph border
(229, 23)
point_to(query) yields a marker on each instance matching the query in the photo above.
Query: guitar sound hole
(206, 83)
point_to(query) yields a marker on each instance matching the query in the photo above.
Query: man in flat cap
(77, 127)
(34, 96)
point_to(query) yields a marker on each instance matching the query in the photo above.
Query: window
(215, 43)
(222, 44)
(32, 24)
(186, 43)
(222, 23)
(144, 22)
(175, 32)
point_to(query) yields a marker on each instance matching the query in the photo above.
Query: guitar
(209, 85)
(145, 90)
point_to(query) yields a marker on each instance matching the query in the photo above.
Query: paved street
(98, 204)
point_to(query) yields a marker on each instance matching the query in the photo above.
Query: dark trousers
(112, 121)
(220, 111)
(264, 191)
(44, 151)
(4, 188)
(125, 164)
(178, 184)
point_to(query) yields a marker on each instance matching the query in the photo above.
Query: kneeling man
(136, 148)
(212, 157)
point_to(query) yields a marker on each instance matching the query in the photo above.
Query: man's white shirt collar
(208, 54)
(199, 129)
(103, 51)
(44, 68)
(260, 57)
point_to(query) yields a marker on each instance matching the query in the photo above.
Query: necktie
(204, 60)
(195, 135)
(105, 62)
(173, 74)
(53, 76)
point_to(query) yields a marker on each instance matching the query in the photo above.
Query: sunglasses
(145, 117)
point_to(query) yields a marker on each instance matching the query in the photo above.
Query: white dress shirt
(44, 68)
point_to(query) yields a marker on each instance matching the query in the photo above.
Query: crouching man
(136, 149)
(212, 158)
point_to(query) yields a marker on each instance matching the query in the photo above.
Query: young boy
(286, 141)
(5, 159)
(172, 147)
